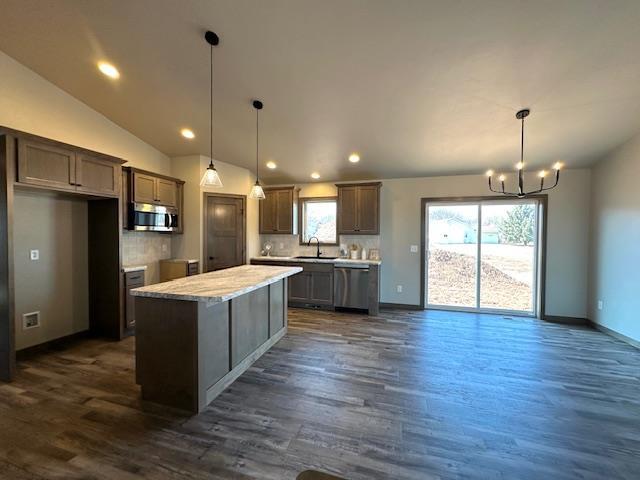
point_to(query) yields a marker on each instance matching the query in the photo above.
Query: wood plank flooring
(405, 395)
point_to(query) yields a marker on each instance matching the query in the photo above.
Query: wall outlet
(281, 245)
(164, 247)
(600, 304)
(34, 254)
(30, 320)
(414, 248)
(399, 288)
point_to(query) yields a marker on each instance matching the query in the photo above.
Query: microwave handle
(167, 220)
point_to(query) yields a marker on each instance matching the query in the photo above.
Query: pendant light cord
(522, 143)
(211, 109)
(257, 143)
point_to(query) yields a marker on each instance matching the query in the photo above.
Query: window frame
(302, 201)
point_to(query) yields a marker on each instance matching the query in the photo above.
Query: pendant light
(521, 115)
(211, 177)
(256, 191)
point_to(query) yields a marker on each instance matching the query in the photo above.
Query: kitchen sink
(316, 257)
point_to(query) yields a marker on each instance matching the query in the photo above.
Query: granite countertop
(316, 260)
(133, 268)
(218, 286)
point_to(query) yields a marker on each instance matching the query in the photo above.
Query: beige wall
(30, 103)
(615, 240)
(57, 283)
(568, 227)
(235, 180)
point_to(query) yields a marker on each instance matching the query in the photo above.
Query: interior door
(224, 232)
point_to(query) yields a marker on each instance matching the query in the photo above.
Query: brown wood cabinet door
(367, 210)
(46, 165)
(347, 210)
(300, 287)
(96, 175)
(321, 291)
(224, 232)
(166, 192)
(268, 210)
(144, 188)
(131, 280)
(284, 211)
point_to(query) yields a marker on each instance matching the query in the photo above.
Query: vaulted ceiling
(416, 87)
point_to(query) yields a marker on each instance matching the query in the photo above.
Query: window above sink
(318, 218)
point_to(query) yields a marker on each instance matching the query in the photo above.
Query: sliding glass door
(482, 255)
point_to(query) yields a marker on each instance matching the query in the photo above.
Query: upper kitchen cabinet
(56, 166)
(359, 208)
(151, 202)
(46, 165)
(147, 187)
(278, 211)
(96, 175)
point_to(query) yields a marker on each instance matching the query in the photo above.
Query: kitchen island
(196, 335)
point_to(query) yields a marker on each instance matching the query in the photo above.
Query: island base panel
(187, 353)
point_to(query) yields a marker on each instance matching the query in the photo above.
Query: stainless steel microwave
(153, 218)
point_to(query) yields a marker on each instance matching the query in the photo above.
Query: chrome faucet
(318, 244)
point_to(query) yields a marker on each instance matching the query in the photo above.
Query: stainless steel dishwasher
(351, 285)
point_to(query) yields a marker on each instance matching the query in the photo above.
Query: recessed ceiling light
(354, 158)
(271, 165)
(109, 70)
(315, 175)
(187, 133)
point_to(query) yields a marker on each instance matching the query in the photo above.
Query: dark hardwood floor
(405, 395)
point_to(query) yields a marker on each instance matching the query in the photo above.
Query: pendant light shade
(257, 193)
(211, 177)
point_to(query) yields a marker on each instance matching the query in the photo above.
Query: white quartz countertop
(218, 286)
(317, 260)
(133, 268)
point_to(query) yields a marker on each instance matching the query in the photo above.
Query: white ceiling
(417, 87)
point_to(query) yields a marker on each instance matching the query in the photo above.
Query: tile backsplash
(146, 248)
(289, 245)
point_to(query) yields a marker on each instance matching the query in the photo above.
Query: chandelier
(521, 115)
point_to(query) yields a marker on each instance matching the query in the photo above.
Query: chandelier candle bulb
(489, 173)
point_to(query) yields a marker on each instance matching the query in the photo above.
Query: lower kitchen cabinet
(329, 286)
(313, 287)
(133, 279)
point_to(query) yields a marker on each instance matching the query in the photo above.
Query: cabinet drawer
(134, 279)
(192, 269)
